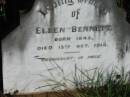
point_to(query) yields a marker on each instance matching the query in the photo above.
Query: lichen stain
(122, 32)
(121, 27)
(52, 17)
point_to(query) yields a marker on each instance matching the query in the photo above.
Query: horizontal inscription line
(71, 52)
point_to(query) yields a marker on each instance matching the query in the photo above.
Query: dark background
(12, 20)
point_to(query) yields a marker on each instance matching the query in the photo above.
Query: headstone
(47, 49)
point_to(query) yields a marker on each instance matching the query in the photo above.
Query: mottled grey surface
(25, 68)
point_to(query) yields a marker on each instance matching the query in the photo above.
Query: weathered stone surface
(49, 44)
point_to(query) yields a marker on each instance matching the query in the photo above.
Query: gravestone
(49, 48)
